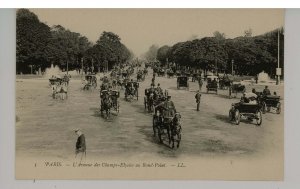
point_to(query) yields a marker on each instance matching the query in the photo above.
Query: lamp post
(232, 61)
(278, 69)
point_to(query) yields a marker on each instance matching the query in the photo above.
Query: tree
(151, 54)
(32, 38)
(163, 53)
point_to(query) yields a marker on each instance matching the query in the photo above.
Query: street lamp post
(82, 66)
(278, 70)
(232, 61)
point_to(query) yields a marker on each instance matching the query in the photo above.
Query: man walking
(80, 145)
(198, 97)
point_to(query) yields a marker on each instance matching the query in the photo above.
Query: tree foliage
(251, 55)
(39, 45)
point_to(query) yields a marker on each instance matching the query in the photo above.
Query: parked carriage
(167, 128)
(183, 81)
(212, 84)
(90, 82)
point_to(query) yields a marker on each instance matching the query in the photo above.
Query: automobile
(245, 110)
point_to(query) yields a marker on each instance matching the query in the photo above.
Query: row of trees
(248, 55)
(39, 45)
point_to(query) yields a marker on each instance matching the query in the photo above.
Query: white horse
(61, 91)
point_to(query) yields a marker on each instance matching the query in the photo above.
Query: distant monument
(263, 77)
(53, 70)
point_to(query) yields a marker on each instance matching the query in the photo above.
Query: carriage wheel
(154, 122)
(159, 134)
(264, 107)
(237, 117)
(258, 118)
(118, 106)
(278, 110)
(230, 115)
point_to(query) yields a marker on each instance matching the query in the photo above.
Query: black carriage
(167, 127)
(245, 110)
(212, 84)
(55, 81)
(195, 77)
(90, 82)
(269, 102)
(183, 81)
(236, 88)
(161, 73)
(132, 90)
(224, 83)
(170, 73)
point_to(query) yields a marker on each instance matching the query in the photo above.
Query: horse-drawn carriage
(236, 87)
(224, 83)
(59, 88)
(183, 81)
(132, 90)
(212, 84)
(167, 126)
(90, 82)
(55, 80)
(161, 72)
(140, 75)
(109, 100)
(170, 73)
(153, 97)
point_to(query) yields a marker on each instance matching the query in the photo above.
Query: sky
(140, 28)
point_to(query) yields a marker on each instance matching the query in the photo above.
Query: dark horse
(106, 105)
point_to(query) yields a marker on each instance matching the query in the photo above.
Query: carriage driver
(169, 107)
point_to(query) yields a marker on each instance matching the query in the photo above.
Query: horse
(60, 90)
(106, 104)
(175, 130)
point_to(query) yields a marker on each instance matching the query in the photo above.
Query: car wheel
(258, 118)
(237, 117)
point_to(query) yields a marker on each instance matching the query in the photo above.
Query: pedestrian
(80, 147)
(198, 97)
(200, 82)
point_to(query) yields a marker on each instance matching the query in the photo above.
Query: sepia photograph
(149, 94)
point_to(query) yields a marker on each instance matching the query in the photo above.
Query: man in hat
(169, 107)
(198, 97)
(266, 91)
(80, 144)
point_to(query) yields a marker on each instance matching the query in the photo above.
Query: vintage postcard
(150, 94)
